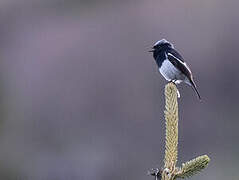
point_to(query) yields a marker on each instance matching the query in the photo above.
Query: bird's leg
(174, 82)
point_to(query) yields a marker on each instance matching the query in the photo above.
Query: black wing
(175, 54)
(177, 60)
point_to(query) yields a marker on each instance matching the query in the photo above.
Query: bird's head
(160, 45)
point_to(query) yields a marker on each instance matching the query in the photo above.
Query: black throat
(160, 55)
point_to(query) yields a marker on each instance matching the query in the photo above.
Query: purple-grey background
(81, 97)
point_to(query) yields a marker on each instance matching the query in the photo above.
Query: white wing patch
(179, 61)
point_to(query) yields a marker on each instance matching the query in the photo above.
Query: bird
(171, 64)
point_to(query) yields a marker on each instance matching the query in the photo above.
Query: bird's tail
(193, 85)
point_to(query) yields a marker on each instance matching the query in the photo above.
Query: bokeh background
(81, 98)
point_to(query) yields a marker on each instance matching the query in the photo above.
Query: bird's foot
(174, 81)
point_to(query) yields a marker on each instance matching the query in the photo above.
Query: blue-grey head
(160, 45)
(159, 49)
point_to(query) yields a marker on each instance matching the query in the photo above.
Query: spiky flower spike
(192, 167)
(171, 118)
(170, 171)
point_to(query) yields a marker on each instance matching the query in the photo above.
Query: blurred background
(81, 98)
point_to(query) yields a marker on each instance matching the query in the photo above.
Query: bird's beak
(152, 50)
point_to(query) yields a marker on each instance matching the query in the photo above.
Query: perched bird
(171, 64)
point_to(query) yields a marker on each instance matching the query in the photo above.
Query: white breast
(169, 72)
